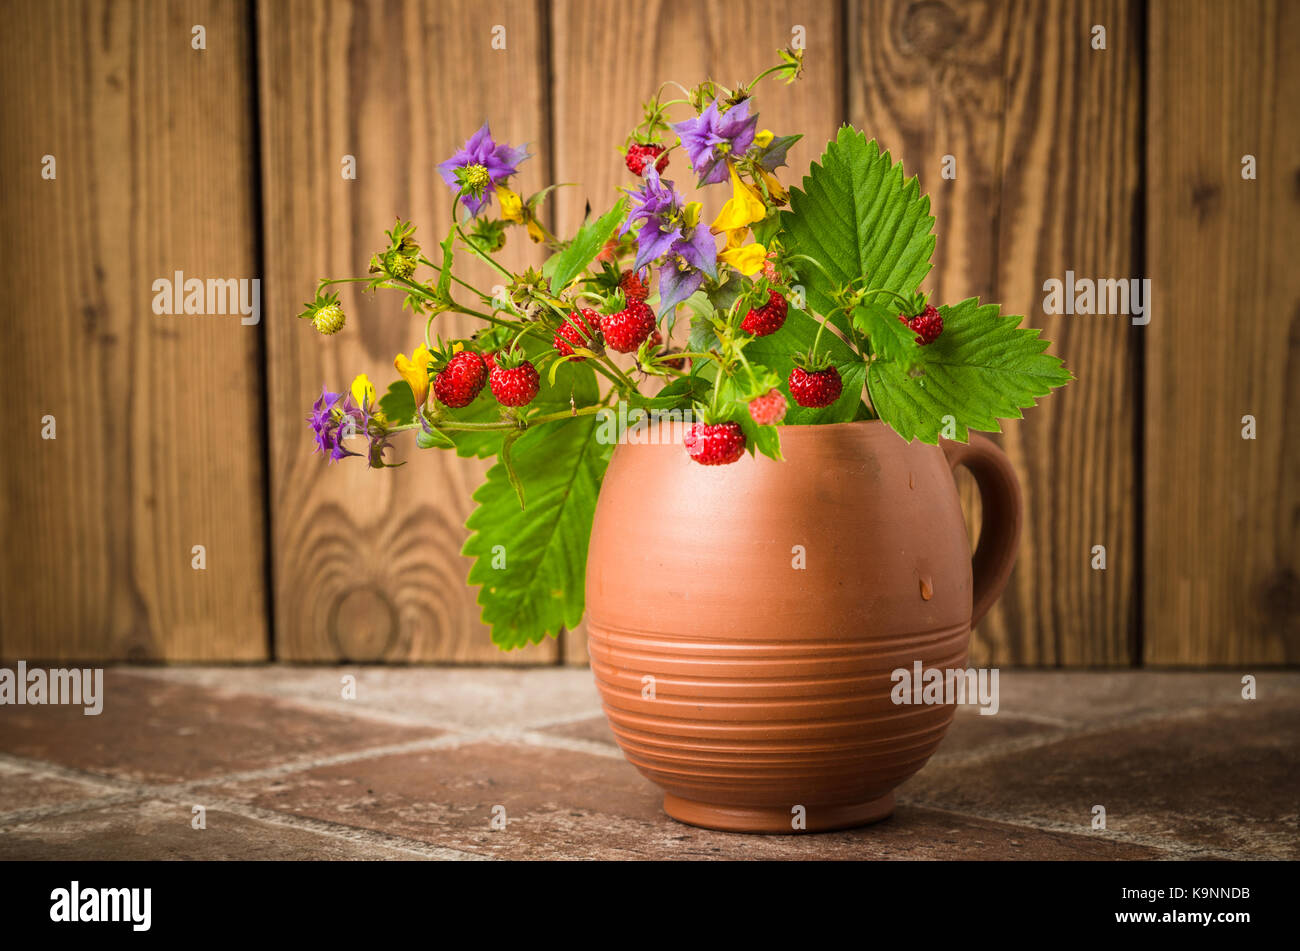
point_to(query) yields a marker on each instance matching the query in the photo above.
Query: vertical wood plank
(367, 564)
(157, 418)
(1222, 577)
(1044, 131)
(599, 86)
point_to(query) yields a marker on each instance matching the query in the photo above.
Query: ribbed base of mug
(777, 821)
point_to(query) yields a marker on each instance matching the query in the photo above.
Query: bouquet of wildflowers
(774, 307)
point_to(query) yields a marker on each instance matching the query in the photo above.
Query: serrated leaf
(982, 368)
(859, 217)
(540, 588)
(564, 266)
(398, 404)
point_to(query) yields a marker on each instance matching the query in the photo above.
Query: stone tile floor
(285, 767)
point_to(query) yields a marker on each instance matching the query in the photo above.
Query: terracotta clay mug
(744, 620)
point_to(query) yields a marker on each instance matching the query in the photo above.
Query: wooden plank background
(159, 442)
(226, 162)
(1222, 512)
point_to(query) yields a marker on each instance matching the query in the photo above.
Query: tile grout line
(1175, 848)
(352, 710)
(994, 751)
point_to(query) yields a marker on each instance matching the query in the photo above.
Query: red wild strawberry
(715, 444)
(625, 330)
(580, 329)
(641, 154)
(818, 388)
(767, 319)
(514, 386)
(460, 381)
(634, 286)
(768, 409)
(490, 358)
(927, 325)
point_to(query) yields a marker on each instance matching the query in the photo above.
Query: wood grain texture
(1044, 131)
(158, 444)
(367, 564)
(599, 87)
(1222, 576)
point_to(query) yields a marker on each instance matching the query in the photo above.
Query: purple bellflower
(497, 162)
(710, 138)
(688, 250)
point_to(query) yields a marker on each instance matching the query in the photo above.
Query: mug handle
(1003, 513)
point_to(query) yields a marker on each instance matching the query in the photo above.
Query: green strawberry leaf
(565, 265)
(531, 563)
(859, 218)
(982, 368)
(398, 404)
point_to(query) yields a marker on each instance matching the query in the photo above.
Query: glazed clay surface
(744, 620)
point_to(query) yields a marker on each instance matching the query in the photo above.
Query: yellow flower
(774, 188)
(764, 138)
(512, 206)
(415, 372)
(535, 231)
(746, 258)
(743, 208)
(363, 391)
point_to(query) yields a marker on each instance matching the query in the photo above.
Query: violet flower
(711, 137)
(334, 417)
(496, 162)
(688, 250)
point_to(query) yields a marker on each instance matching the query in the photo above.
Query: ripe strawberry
(490, 358)
(580, 329)
(818, 388)
(641, 154)
(514, 386)
(768, 409)
(767, 319)
(927, 325)
(633, 285)
(715, 444)
(461, 380)
(625, 330)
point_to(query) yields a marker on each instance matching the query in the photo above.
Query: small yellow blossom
(512, 206)
(774, 188)
(763, 138)
(415, 372)
(363, 391)
(743, 208)
(746, 258)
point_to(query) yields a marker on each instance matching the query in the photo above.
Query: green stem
(765, 73)
(465, 284)
(456, 425)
